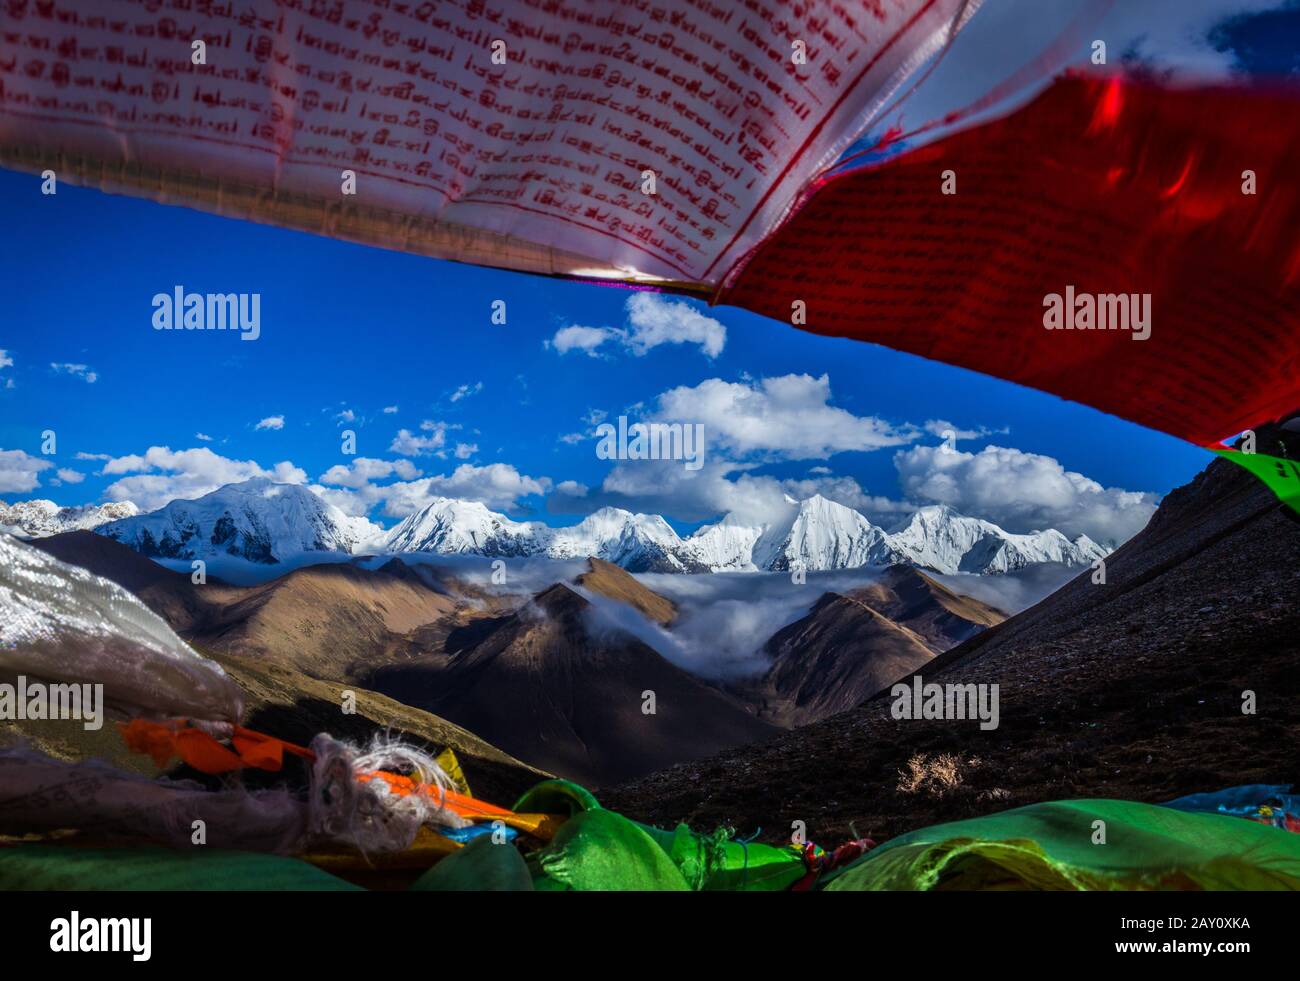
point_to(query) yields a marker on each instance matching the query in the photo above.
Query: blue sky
(347, 327)
(352, 329)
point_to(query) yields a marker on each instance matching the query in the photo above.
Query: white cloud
(586, 339)
(572, 488)
(657, 320)
(84, 372)
(347, 415)
(652, 320)
(498, 485)
(204, 437)
(1173, 39)
(787, 417)
(161, 475)
(93, 456)
(271, 422)
(464, 451)
(1022, 492)
(363, 470)
(746, 424)
(20, 472)
(5, 360)
(941, 427)
(71, 476)
(390, 410)
(1179, 40)
(408, 443)
(847, 491)
(465, 391)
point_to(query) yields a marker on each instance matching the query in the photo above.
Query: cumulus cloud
(70, 476)
(6, 362)
(655, 320)
(203, 437)
(651, 321)
(390, 410)
(354, 488)
(751, 424)
(464, 451)
(20, 471)
(364, 470)
(1022, 492)
(407, 443)
(585, 339)
(271, 422)
(572, 488)
(746, 424)
(161, 475)
(84, 372)
(787, 417)
(498, 485)
(847, 491)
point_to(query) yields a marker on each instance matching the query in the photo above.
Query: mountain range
(266, 522)
(550, 677)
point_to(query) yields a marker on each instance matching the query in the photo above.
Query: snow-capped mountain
(826, 535)
(258, 520)
(61, 623)
(452, 527)
(939, 538)
(637, 542)
(818, 534)
(267, 522)
(41, 518)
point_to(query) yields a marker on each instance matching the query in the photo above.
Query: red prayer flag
(1098, 189)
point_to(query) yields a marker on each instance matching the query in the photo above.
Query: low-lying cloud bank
(725, 617)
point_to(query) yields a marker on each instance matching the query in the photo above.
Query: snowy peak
(824, 535)
(41, 518)
(454, 527)
(258, 520)
(263, 521)
(819, 534)
(939, 538)
(637, 542)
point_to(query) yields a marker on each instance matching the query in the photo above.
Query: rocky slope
(852, 645)
(612, 582)
(555, 687)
